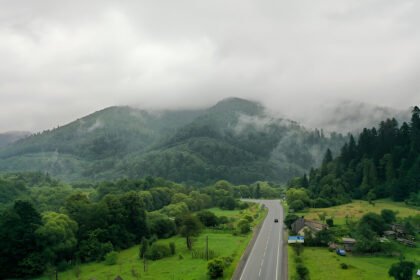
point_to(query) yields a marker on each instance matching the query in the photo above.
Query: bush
(163, 227)
(228, 203)
(388, 216)
(297, 205)
(215, 268)
(226, 261)
(344, 266)
(207, 218)
(249, 218)
(321, 203)
(223, 220)
(243, 205)
(244, 226)
(111, 258)
(63, 265)
(172, 248)
(330, 222)
(158, 251)
(302, 271)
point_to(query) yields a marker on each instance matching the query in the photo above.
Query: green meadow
(224, 243)
(358, 208)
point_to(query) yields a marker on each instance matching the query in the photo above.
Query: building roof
(348, 240)
(300, 223)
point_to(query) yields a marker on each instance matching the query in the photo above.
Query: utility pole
(207, 247)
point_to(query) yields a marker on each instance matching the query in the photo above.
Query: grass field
(175, 267)
(325, 265)
(358, 208)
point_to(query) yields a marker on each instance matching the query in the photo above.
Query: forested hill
(383, 162)
(235, 140)
(7, 138)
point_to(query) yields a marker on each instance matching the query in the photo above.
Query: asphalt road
(265, 260)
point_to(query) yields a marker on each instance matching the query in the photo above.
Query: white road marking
(252, 250)
(278, 251)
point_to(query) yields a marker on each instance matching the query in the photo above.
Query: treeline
(90, 220)
(382, 162)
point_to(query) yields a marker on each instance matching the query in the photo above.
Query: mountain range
(235, 139)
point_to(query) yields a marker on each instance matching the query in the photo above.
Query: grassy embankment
(324, 265)
(357, 209)
(179, 266)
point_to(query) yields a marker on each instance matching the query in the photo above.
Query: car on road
(276, 220)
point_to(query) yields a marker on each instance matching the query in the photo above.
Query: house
(407, 242)
(389, 234)
(301, 224)
(348, 243)
(399, 230)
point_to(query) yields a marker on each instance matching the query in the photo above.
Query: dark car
(276, 220)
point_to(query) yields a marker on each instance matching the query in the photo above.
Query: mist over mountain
(345, 116)
(9, 137)
(235, 139)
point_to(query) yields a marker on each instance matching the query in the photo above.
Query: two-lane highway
(265, 259)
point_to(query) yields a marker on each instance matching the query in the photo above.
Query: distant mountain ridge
(9, 137)
(235, 139)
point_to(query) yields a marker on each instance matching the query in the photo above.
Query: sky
(61, 60)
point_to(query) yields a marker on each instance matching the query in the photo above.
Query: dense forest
(47, 224)
(382, 162)
(236, 140)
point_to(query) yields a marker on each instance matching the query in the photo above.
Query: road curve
(265, 260)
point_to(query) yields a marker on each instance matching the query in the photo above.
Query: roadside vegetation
(225, 245)
(52, 226)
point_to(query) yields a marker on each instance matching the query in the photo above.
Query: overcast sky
(60, 60)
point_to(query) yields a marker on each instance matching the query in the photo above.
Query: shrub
(172, 248)
(111, 258)
(321, 203)
(180, 257)
(215, 268)
(226, 261)
(244, 226)
(163, 227)
(302, 271)
(243, 205)
(63, 265)
(389, 216)
(344, 266)
(223, 220)
(297, 205)
(207, 218)
(249, 218)
(330, 222)
(158, 251)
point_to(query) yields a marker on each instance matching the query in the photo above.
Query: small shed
(389, 233)
(348, 243)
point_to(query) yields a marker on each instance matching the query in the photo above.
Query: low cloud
(60, 61)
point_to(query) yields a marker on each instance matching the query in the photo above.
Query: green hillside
(234, 140)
